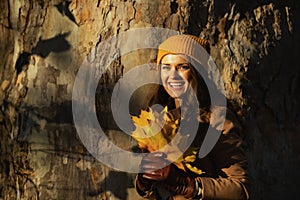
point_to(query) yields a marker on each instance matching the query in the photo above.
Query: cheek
(186, 76)
(163, 77)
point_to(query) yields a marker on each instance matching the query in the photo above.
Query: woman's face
(175, 74)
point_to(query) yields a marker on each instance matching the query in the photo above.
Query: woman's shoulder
(224, 119)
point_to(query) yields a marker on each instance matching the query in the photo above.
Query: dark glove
(143, 185)
(173, 178)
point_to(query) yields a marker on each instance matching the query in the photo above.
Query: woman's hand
(145, 180)
(154, 167)
(154, 170)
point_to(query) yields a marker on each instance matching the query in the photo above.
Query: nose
(174, 73)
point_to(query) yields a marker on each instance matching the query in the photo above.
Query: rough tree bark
(43, 43)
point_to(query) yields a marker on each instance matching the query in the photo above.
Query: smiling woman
(175, 75)
(222, 174)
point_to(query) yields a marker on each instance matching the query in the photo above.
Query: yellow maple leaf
(155, 130)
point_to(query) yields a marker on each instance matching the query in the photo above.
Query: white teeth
(176, 84)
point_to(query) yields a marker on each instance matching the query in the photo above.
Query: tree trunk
(44, 42)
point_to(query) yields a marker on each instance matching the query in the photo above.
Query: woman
(224, 169)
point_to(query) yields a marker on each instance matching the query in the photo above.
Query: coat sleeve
(228, 157)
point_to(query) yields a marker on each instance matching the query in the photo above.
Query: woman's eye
(165, 67)
(184, 67)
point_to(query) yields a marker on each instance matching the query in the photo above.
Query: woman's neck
(178, 102)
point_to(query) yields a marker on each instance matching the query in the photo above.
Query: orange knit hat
(184, 44)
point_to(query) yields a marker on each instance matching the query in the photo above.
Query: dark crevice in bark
(174, 7)
(9, 15)
(98, 3)
(22, 60)
(27, 18)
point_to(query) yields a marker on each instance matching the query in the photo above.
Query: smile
(176, 85)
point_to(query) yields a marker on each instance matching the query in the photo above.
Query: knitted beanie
(184, 44)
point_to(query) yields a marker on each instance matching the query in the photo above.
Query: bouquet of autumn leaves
(155, 130)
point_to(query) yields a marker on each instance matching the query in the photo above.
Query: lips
(176, 85)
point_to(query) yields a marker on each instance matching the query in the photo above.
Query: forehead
(175, 59)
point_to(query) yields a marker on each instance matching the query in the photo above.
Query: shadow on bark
(43, 48)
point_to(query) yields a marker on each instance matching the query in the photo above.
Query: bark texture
(43, 43)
